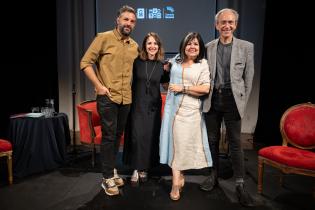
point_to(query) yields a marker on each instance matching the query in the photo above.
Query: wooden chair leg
(260, 175)
(10, 173)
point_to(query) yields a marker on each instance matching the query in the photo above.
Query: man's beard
(123, 32)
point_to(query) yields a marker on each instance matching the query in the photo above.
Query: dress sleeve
(204, 78)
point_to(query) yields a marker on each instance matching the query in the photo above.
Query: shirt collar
(120, 37)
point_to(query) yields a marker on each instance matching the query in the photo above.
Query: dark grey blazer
(241, 71)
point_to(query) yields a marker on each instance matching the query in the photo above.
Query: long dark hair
(189, 37)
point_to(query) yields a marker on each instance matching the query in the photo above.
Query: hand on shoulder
(204, 62)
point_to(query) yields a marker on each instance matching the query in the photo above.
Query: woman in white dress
(183, 137)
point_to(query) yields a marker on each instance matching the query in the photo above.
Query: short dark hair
(190, 36)
(126, 8)
(160, 53)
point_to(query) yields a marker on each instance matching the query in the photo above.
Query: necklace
(148, 76)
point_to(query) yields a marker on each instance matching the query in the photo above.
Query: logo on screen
(167, 12)
(155, 13)
(141, 13)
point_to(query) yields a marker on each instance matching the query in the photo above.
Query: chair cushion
(5, 145)
(299, 126)
(289, 156)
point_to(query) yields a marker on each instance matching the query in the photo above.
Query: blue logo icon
(140, 13)
(169, 12)
(155, 13)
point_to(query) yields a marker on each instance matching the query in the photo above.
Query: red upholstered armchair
(296, 155)
(90, 125)
(6, 151)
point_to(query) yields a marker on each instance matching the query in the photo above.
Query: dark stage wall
(29, 64)
(288, 65)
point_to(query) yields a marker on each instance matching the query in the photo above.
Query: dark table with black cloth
(39, 144)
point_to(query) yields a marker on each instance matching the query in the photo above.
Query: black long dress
(141, 145)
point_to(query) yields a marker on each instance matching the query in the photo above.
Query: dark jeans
(223, 107)
(113, 121)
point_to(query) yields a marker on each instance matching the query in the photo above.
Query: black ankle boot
(243, 196)
(210, 182)
(143, 176)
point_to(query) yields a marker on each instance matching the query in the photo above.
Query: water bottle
(49, 107)
(52, 106)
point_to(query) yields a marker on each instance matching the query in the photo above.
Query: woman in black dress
(141, 146)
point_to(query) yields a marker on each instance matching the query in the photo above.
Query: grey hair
(226, 10)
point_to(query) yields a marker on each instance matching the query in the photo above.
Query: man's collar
(120, 37)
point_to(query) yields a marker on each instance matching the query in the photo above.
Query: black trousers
(113, 120)
(223, 107)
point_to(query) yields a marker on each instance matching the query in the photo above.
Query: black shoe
(243, 196)
(143, 176)
(210, 182)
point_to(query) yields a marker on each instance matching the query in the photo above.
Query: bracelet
(186, 89)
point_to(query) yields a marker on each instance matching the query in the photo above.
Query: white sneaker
(117, 179)
(110, 187)
(135, 177)
(115, 172)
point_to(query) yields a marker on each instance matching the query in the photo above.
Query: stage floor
(77, 186)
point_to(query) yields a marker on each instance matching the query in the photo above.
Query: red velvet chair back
(297, 126)
(89, 122)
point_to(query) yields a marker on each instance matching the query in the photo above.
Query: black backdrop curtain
(287, 66)
(29, 65)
